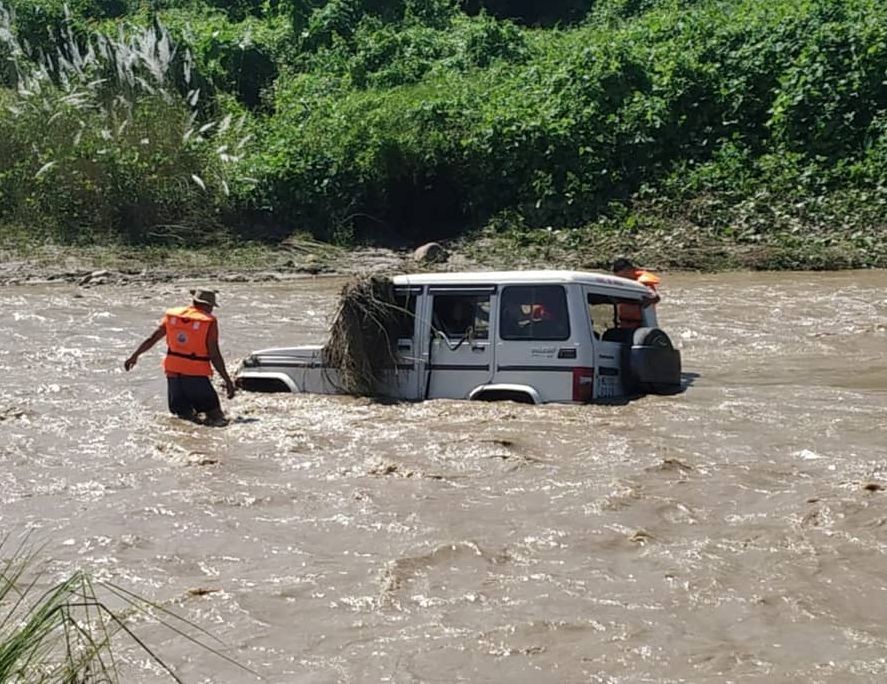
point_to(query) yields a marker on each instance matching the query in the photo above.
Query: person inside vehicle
(192, 338)
(540, 312)
(515, 318)
(549, 322)
(628, 314)
(456, 318)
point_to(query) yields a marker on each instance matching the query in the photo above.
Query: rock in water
(431, 253)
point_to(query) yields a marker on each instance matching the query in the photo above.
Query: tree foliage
(423, 118)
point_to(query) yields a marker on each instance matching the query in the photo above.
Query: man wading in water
(192, 338)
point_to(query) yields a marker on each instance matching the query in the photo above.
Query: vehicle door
(404, 380)
(537, 345)
(460, 348)
(610, 343)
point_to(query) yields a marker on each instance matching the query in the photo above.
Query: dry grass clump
(362, 340)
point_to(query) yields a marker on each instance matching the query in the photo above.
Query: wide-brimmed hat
(201, 296)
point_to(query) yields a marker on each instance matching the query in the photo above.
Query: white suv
(530, 336)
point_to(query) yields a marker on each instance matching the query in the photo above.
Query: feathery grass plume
(114, 119)
(362, 340)
(67, 633)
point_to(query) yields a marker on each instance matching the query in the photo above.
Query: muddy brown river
(735, 532)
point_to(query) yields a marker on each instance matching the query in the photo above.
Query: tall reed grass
(108, 138)
(68, 632)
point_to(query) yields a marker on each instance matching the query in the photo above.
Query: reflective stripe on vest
(187, 330)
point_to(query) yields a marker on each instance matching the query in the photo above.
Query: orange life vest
(631, 315)
(187, 329)
(651, 280)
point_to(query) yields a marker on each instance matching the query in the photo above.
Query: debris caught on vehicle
(361, 342)
(530, 337)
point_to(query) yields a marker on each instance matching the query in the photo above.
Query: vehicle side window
(534, 312)
(602, 311)
(607, 317)
(405, 321)
(458, 316)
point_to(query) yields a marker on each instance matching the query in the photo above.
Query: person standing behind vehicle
(192, 338)
(631, 315)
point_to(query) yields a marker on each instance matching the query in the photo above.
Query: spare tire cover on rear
(651, 337)
(653, 364)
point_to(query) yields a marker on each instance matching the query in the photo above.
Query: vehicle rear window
(534, 312)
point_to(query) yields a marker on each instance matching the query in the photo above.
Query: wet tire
(650, 341)
(651, 337)
(262, 385)
(505, 395)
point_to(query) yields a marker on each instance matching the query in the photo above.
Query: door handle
(478, 348)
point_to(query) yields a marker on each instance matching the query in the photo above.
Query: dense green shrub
(532, 12)
(418, 118)
(385, 56)
(238, 10)
(240, 58)
(320, 25)
(119, 157)
(580, 119)
(485, 40)
(836, 86)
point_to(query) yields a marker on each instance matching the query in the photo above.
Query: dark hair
(621, 265)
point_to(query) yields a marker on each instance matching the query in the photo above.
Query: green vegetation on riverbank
(694, 133)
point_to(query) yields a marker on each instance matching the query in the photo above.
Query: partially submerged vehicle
(528, 336)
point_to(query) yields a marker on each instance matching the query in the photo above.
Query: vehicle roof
(522, 278)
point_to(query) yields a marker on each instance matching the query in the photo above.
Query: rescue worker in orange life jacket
(631, 315)
(192, 339)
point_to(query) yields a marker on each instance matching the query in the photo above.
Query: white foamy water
(735, 531)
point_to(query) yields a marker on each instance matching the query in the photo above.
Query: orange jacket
(631, 315)
(187, 330)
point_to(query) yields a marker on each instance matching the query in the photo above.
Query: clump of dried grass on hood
(362, 340)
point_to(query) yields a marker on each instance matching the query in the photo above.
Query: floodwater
(735, 532)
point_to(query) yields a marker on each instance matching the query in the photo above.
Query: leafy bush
(532, 12)
(567, 123)
(104, 146)
(420, 118)
(240, 58)
(320, 25)
(836, 86)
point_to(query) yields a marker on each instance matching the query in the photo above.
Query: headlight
(250, 361)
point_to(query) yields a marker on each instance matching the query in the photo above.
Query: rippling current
(737, 531)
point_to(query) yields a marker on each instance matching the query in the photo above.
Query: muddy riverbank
(299, 258)
(95, 266)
